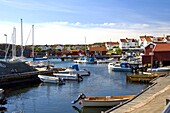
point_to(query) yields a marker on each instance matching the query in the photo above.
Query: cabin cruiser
(75, 67)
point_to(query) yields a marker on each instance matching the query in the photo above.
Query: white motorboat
(81, 72)
(74, 69)
(105, 61)
(68, 75)
(101, 101)
(122, 67)
(51, 79)
(159, 69)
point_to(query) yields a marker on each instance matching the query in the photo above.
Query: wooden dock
(150, 100)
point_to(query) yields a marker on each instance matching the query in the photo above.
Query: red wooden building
(157, 54)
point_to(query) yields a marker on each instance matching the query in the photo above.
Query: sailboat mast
(33, 41)
(14, 44)
(85, 47)
(21, 40)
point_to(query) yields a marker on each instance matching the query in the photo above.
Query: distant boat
(40, 58)
(84, 59)
(159, 69)
(101, 101)
(105, 61)
(122, 67)
(51, 79)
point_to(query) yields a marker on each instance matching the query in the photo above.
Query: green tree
(118, 51)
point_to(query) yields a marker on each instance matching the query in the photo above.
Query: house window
(151, 46)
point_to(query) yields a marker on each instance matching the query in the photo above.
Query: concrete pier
(153, 100)
(18, 72)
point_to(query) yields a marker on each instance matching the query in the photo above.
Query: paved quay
(152, 100)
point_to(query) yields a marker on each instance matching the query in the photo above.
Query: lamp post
(6, 47)
(6, 37)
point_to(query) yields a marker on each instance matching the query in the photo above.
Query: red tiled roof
(168, 37)
(97, 48)
(160, 38)
(148, 39)
(123, 40)
(162, 47)
(112, 43)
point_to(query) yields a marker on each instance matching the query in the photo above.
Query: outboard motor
(81, 96)
(79, 77)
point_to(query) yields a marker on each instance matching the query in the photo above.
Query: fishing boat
(51, 79)
(101, 101)
(122, 67)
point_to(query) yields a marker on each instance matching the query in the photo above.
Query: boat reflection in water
(90, 109)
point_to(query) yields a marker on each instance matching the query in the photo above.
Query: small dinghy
(101, 101)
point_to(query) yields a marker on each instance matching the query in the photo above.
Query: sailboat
(14, 58)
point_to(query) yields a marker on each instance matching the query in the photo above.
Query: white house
(128, 43)
(145, 40)
(111, 45)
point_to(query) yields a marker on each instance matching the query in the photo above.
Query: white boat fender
(80, 97)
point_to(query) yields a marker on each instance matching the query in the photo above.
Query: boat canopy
(125, 65)
(90, 59)
(76, 67)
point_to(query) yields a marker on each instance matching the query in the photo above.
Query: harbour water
(52, 98)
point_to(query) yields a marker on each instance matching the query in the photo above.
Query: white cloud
(75, 33)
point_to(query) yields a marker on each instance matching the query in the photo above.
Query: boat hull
(50, 79)
(122, 69)
(105, 101)
(67, 76)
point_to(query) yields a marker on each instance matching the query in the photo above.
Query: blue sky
(70, 21)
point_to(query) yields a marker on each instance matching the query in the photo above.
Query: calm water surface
(52, 98)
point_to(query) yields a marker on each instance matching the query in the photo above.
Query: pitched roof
(147, 38)
(162, 47)
(112, 43)
(123, 40)
(168, 37)
(160, 38)
(97, 48)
